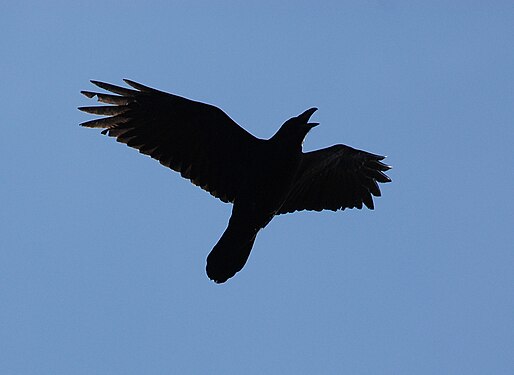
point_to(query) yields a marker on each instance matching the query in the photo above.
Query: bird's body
(262, 178)
(255, 207)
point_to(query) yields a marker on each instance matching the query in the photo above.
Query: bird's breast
(269, 182)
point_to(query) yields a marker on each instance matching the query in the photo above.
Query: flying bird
(261, 178)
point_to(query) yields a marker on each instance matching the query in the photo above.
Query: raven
(261, 178)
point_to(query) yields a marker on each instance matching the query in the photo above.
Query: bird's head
(296, 128)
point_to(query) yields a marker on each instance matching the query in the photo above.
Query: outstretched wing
(198, 140)
(336, 178)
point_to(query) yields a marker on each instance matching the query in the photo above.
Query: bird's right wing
(336, 178)
(198, 140)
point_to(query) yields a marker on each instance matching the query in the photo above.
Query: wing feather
(336, 178)
(195, 139)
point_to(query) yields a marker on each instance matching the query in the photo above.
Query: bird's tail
(231, 252)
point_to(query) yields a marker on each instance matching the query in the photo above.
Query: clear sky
(101, 259)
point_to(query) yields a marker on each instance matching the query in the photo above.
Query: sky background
(102, 250)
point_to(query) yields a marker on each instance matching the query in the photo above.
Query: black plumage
(262, 178)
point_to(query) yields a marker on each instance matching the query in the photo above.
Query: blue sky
(101, 260)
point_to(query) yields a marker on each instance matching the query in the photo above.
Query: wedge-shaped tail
(231, 252)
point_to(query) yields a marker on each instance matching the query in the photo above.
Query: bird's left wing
(336, 178)
(198, 140)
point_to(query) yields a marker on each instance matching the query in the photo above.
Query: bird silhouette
(261, 178)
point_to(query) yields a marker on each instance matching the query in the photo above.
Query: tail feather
(230, 254)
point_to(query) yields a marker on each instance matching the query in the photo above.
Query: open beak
(305, 116)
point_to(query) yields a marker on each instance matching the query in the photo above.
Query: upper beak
(305, 116)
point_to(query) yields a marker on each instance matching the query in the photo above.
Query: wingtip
(134, 84)
(386, 165)
(370, 205)
(138, 86)
(100, 84)
(89, 94)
